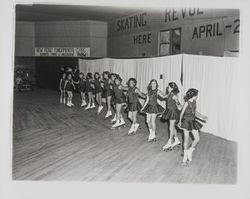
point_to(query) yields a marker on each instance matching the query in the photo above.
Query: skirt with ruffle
(119, 100)
(192, 123)
(171, 114)
(134, 106)
(157, 109)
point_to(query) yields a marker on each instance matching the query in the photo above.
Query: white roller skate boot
(151, 136)
(131, 130)
(71, 104)
(117, 123)
(122, 122)
(83, 103)
(93, 105)
(88, 107)
(68, 104)
(114, 119)
(167, 147)
(109, 113)
(99, 109)
(190, 153)
(185, 157)
(136, 127)
(176, 142)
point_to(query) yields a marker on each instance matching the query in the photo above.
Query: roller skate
(71, 104)
(88, 107)
(136, 127)
(108, 114)
(68, 104)
(185, 158)
(93, 105)
(131, 130)
(118, 124)
(83, 103)
(189, 153)
(99, 109)
(151, 137)
(168, 146)
(64, 101)
(61, 100)
(114, 119)
(176, 143)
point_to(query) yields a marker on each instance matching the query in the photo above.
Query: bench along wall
(203, 31)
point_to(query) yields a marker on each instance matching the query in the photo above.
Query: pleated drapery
(216, 78)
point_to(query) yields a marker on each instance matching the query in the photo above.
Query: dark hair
(119, 78)
(81, 73)
(174, 86)
(114, 75)
(89, 76)
(191, 93)
(133, 80)
(149, 85)
(96, 73)
(107, 73)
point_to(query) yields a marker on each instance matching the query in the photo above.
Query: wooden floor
(52, 142)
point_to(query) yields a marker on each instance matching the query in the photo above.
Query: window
(170, 42)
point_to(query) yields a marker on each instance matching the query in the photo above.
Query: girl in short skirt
(98, 91)
(107, 92)
(172, 114)
(119, 100)
(89, 91)
(82, 87)
(113, 77)
(69, 87)
(152, 108)
(134, 104)
(190, 123)
(62, 90)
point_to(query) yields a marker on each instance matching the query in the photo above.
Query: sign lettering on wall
(131, 22)
(214, 29)
(174, 14)
(62, 51)
(142, 38)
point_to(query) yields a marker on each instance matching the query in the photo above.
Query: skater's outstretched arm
(162, 95)
(141, 94)
(201, 116)
(146, 102)
(176, 99)
(60, 84)
(182, 112)
(66, 82)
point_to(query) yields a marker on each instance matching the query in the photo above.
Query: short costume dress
(98, 88)
(107, 89)
(171, 112)
(133, 100)
(190, 121)
(82, 85)
(89, 87)
(119, 97)
(152, 105)
(69, 85)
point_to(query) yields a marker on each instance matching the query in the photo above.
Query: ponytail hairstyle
(96, 73)
(191, 93)
(174, 86)
(150, 84)
(133, 80)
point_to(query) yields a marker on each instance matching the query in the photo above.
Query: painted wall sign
(131, 22)
(174, 14)
(142, 38)
(62, 51)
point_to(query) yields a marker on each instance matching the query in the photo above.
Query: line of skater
(95, 88)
